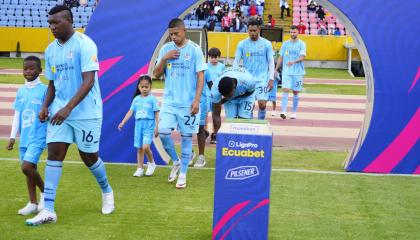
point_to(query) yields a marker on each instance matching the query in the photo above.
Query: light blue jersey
(257, 58)
(291, 51)
(144, 107)
(28, 103)
(212, 74)
(181, 73)
(64, 64)
(245, 83)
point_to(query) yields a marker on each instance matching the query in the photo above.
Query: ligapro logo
(242, 172)
(242, 145)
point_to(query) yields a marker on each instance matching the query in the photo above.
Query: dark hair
(176, 22)
(60, 8)
(226, 85)
(294, 27)
(269, 15)
(34, 59)
(253, 22)
(214, 52)
(141, 78)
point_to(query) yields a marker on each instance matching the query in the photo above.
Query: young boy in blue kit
(33, 132)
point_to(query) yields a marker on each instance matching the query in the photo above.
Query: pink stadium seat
(314, 32)
(305, 20)
(296, 15)
(295, 19)
(313, 25)
(304, 14)
(311, 14)
(313, 20)
(306, 31)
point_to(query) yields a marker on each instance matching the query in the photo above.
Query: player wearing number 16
(73, 108)
(182, 63)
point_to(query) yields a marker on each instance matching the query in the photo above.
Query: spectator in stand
(226, 7)
(320, 12)
(217, 6)
(207, 9)
(284, 5)
(232, 14)
(211, 21)
(271, 22)
(200, 13)
(252, 11)
(337, 32)
(237, 24)
(220, 15)
(244, 2)
(226, 23)
(259, 21)
(301, 27)
(311, 6)
(322, 28)
(260, 2)
(238, 8)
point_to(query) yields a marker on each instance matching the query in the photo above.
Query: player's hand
(290, 64)
(195, 107)
(60, 116)
(43, 114)
(270, 84)
(120, 126)
(156, 132)
(10, 144)
(173, 54)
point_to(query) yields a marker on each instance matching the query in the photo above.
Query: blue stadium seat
(217, 29)
(260, 10)
(12, 18)
(89, 9)
(78, 25)
(194, 23)
(26, 13)
(2, 12)
(3, 23)
(20, 24)
(201, 23)
(36, 24)
(187, 23)
(10, 12)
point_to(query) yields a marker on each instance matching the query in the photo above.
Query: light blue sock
(261, 114)
(99, 171)
(284, 99)
(53, 171)
(168, 144)
(295, 102)
(186, 148)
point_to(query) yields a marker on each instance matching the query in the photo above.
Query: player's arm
(14, 131)
(270, 60)
(162, 60)
(156, 123)
(88, 82)
(49, 98)
(238, 55)
(125, 119)
(217, 120)
(300, 59)
(279, 63)
(195, 107)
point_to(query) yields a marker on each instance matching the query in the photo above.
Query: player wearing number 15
(183, 64)
(73, 108)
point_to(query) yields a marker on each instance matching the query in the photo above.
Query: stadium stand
(34, 13)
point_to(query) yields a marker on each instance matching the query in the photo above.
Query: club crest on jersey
(187, 57)
(168, 66)
(248, 54)
(70, 54)
(53, 69)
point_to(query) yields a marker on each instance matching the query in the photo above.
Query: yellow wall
(324, 48)
(30, 39)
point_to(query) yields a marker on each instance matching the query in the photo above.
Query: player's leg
(231, 109)
(272, 97)
(297, 87)
(87, 135)
(148, 133)
(138, 142)
(286, 86)
(188, 125)
(262, 97)
(201, 135)
(245, 107)
(140, 159)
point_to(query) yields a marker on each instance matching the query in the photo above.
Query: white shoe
(193, 155)
(41, 202)
(182, 181)
(139, 172)
(42, 217)
(150, 168)
(293, 116)
(273, 113)
(283, 115)
(174, 171)
(28, 209)
(108, 202)
(201, 161)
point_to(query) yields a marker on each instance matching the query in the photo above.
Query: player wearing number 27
(73, 108)
(182, 63)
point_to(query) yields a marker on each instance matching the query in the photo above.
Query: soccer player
(257, 57)
(33, 132)
(73, 108)
(236, 90)
(292, 53)
(182, 62)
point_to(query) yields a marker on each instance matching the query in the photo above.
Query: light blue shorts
(204, 109)
(143, 132)
(180, 118)
(85, 133)
(261, 90)
(294, 82)
(240, 108)
(272, 95)
(30, 154)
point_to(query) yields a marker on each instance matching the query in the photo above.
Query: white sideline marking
(273, 169)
